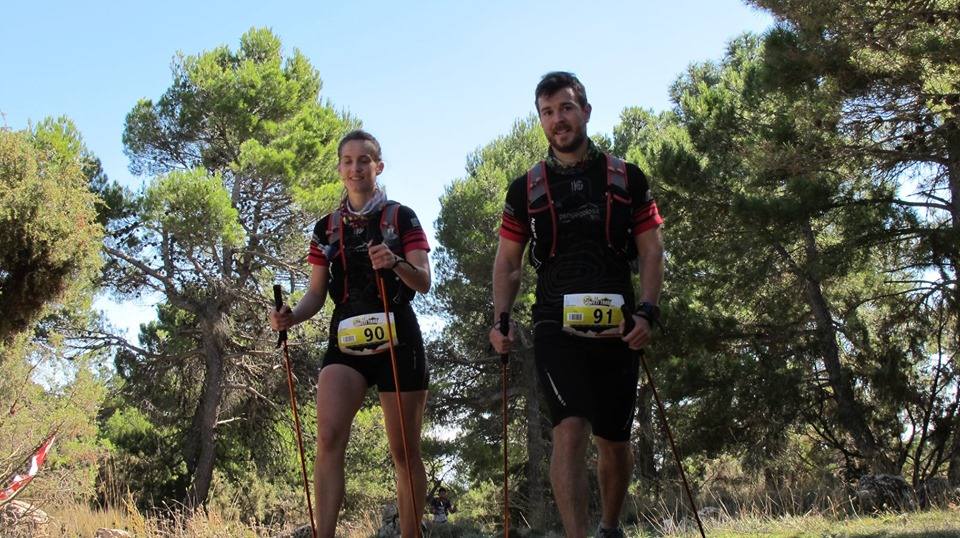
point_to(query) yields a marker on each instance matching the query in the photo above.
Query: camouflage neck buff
(593, 152)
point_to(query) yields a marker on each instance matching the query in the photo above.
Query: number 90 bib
(366, 334)
(592, 315)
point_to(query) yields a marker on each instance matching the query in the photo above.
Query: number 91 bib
(366, 334)
(592, 315)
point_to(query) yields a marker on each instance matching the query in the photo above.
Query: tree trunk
(202, 445)
(953, 294)
(646, 467)
(849, 411)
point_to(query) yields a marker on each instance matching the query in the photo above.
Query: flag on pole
(22, 476)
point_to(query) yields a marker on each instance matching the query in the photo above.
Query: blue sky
(434, 81)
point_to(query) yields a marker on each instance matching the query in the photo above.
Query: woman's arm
(309, 305)
(413, 268)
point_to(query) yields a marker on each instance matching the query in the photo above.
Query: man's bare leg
(614, 469)
(568, 474)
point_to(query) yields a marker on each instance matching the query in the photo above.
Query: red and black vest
(343, 274)
(543, 221)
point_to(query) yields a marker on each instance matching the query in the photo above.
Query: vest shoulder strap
(389, 224)
(538, 188)
(537, 183)
(388, 216)
(334, 234)
(616, 172)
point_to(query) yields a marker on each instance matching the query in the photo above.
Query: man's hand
(640, 335)
(501, 344)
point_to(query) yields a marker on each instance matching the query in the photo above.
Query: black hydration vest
(388, 232)
(617, 219)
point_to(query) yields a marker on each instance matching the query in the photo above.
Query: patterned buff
(593, 152)
(372, 206)
(21, 477)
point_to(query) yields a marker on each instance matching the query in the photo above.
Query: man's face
(563, 120)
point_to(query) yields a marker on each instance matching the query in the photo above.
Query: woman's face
(359, 167)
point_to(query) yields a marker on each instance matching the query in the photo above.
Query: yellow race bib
(592, 315)
(366, 334)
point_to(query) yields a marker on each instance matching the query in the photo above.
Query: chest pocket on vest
(541, 214)
(619, 209)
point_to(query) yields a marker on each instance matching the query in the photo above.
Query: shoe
(609, 533)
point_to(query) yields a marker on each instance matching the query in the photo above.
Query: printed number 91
(598, 315)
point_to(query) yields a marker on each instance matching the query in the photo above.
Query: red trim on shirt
(415, 239)
(513, 229)
(646, 218)
(317, 256)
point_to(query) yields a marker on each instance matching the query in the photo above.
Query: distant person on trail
(441, 506)
(366, 233)
(587, 216)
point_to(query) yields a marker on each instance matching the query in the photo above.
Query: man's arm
(507, 272)
(650, 256)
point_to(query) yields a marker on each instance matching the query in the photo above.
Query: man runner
(441, 506)
(587, 216)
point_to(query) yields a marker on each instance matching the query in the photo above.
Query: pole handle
(504, 330)
(628, 322)
(278, 302)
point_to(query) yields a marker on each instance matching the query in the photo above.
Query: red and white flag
(21, 477)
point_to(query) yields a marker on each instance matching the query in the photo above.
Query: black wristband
(401, 259)
(649, 312)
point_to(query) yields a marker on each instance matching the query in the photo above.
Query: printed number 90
(370, 334)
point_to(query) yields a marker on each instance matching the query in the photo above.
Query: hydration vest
(388, 233)
(617, 220)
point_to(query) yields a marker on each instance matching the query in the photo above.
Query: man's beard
(571, 147)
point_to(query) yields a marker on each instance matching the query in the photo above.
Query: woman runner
(366, 234)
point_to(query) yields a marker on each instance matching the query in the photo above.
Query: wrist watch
(649, 312)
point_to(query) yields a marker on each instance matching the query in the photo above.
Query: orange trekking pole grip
(396, 385)
(278, 302)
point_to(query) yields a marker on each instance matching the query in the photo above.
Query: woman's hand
(381, 257)
(282, 319)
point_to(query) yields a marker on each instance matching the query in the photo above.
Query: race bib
(592, 315)
(366, 334)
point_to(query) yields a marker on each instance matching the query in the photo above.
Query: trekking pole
(628, 325)
(282, 339)
(504, 359)
(381, 287)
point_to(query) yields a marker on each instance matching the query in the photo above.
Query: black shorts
(377, 369)
(587, 377)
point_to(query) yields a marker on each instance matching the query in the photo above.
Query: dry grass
(931, 524)
(787, 512)
(775, 516)
(81, 521)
